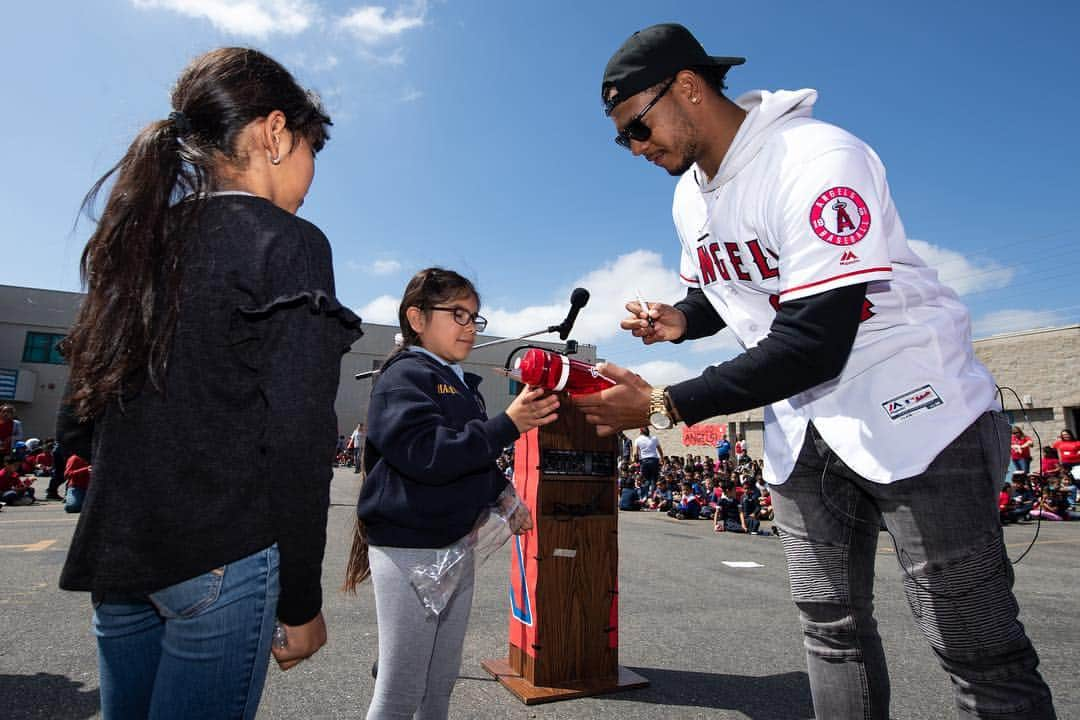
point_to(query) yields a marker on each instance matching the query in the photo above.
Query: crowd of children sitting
(26, 460)
(1048, 493)
(23, 463)
(729, 492)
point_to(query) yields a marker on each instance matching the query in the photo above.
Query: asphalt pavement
(714, 640)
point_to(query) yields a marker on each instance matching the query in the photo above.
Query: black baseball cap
(652, 54)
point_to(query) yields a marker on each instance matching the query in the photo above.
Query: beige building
(33, 374)
(1040, 365)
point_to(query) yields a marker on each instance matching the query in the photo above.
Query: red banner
(703, 435)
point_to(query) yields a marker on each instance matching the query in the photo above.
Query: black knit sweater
(236, 453)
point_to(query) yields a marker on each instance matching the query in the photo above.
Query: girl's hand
(521, 521)
(532, 408)
(664, 322)
(302, 641)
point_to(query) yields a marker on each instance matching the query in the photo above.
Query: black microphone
(578, 299)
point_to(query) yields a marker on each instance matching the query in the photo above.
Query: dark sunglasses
(463, 317)
(636, 129)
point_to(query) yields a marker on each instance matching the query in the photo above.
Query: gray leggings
(419, 654)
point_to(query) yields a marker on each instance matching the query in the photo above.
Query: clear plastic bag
(436, 582)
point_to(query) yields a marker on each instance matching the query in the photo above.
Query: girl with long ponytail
(210, 325)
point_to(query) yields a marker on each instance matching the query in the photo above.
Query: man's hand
(663, 322)
(618, 408)
(302, 641)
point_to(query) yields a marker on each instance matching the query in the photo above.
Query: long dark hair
(132, 264)
(427, 288)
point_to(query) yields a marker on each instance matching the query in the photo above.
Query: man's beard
(686, 161)
(689, 148)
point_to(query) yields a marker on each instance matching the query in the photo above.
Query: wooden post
(564, 620)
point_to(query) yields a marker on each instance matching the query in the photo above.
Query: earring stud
(276, 160)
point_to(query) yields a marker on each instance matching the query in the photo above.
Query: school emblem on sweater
(840, 216)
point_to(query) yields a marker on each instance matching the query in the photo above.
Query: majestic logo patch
(848, 258)
(840, 216)
(445, 389)
(910, 403)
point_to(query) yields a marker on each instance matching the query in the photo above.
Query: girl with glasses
(431, 469)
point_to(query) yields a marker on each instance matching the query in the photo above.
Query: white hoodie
(799, 207)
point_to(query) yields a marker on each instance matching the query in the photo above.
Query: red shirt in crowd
(11, 480)
(7, 429)
(43, 458)
(1068, 451)
(1020, 448)
(77, 472)
(1049, 465)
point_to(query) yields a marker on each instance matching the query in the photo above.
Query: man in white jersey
(876, 408)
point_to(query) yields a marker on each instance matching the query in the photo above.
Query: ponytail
(358, 568)
(131, 269)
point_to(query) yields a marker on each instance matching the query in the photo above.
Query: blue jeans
(958, 579)
(197, 649)
(1022, 464)
(73, 500)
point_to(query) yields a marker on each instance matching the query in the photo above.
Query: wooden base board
(531, 694)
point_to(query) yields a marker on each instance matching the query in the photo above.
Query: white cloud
(377, 267)
(249, 18)
(610, 287)
(381, 310)
(958, 272)
(385, 267)
(410, 95)
(664, 372)
(314, 64)
(720, 347)
(1006, 321)
(373, 24)
(393, 58)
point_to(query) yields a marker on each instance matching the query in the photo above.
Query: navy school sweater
(429, 455)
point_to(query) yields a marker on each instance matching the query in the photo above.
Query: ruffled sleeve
(293, 335)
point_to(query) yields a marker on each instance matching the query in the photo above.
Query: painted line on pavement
(31, 547)
(65, 520)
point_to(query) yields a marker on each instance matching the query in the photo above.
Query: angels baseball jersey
(799, 207)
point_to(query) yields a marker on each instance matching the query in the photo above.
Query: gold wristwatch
(659, 415)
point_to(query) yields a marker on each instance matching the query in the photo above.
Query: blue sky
(470, 134)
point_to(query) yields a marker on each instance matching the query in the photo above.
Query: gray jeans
(419, 654)
(957, 577)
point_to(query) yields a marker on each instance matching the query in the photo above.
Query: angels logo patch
(840, 216)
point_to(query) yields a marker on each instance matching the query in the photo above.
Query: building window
(42, 348)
